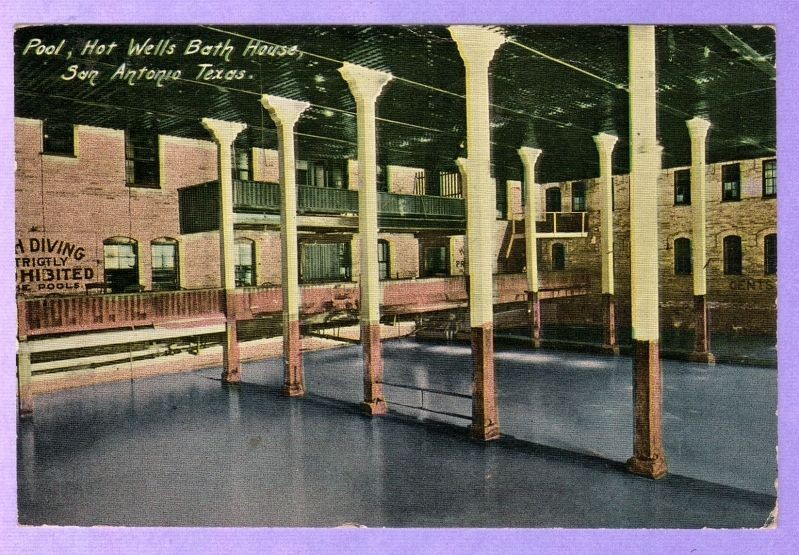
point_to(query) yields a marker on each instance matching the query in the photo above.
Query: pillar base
(373, 403)
(534, 313)
(293, 379)
(609, 345)
(292, 390)
(485, 420)
(374, 408)
(25, 409)
(703, 358)
(649, 468)
(648, 459)
(484, 433)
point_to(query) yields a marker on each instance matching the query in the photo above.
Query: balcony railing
(419, 206)
(563, 222)
(252, 195)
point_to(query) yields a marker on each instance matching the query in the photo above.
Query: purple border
(68, 540)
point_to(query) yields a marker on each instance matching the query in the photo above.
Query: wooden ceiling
(553, 87)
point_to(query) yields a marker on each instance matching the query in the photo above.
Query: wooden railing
(78, 313)
(563, 222)
(46, 315)
(417, 206)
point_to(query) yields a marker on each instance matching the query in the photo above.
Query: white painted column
(605, 144)
(529, 158)
(645, 162)
(366, 85)
(285, 113)
(477, 46)
(224, 133)
(698, 128)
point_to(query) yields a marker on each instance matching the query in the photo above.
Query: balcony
(199, 206)
(563, 225)
(199, 209)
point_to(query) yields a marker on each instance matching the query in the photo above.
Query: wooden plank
(118, 337)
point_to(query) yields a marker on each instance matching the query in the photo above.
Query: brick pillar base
(373, 403)
(609, 344)
(25, 386)
(294, 381)
(231, 363)
(648, 458)
(702, 345)
(534, 312)
(485, 421)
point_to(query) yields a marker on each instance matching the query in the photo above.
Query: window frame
(735, 189)
(770, 255)
(550, 191)
(161, 284)
(683, 259)
(239, 268)
(558, 253)
(582, 198)
(680, 181)
(769, 173)
(144, 156)
(58, 127)
(733, 265)
(124, 279)
(383, 259)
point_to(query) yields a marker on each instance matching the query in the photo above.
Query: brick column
(645, 154)
(366, 85)
(604, 144)
(25, 391)
(698, 129)
(529, 158)
(477, 46)
(224, 133)
(285, 113)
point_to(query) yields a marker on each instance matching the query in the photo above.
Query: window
(382, 178)
(682, 187)
(327, 173)
(613, 193)
(245, 263)
(325, 262)
(732, 255)
(502, 199)
(553, 199)
(383, 264)
(769, 178)
(435, 261)
(770, 254)
(578, 197)
(141, 158)
(242, 160)
(558, 256)
(164, 253)
(730, 182)
(58, 138)
(682, 257)
(121, 265)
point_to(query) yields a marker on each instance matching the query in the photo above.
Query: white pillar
(604, 144)
(366, 85)
(285, 113)
(698, 128)
(477, 46)
(529, 158)
(645, 160)
(224, 133)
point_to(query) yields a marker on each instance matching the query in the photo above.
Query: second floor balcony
(257, 202)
